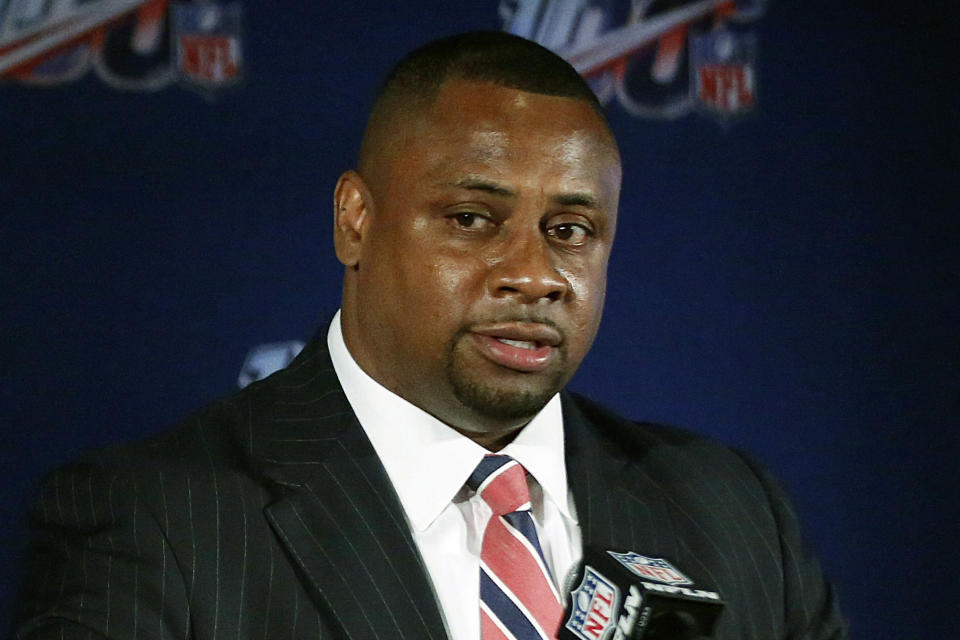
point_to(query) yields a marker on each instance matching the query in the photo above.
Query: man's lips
(522, 346)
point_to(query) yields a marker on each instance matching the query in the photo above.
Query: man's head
(477, 230)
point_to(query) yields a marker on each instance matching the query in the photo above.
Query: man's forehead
(487, 145)
(471, 126)
(466, 98)
(489, 120)
(494, 146)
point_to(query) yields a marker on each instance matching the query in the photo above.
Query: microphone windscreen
(628, 596)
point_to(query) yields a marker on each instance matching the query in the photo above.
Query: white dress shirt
(428, 464)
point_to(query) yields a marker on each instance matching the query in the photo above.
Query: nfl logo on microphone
(593, 606)
(656, 569)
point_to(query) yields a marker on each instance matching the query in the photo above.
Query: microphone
(628, 596)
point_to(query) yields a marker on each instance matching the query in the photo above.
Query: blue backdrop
(789, 284)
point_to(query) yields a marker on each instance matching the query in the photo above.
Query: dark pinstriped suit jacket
(269, 516)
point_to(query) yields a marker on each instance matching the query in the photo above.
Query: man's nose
(525, 270)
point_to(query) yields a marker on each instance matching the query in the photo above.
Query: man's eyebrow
(575, 200)
(480, 184)
(562, 199)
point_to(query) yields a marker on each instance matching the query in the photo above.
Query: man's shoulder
(670, 456)
(637, 436)
(231, 431)
(211, 427)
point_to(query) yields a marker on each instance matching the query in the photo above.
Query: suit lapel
(620, 506)
(338, 516)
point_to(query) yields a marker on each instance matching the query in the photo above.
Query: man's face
(477, 266)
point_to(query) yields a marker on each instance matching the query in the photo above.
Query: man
(343, 496)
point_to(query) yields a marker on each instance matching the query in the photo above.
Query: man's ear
(351, 207)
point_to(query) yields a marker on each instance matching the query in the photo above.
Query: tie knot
(502, 483)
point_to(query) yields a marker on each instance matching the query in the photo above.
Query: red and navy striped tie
(518, 599)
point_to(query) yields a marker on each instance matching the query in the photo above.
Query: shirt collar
(427, 461)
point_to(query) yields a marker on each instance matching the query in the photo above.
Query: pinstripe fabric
(668, 493)
(269, 516)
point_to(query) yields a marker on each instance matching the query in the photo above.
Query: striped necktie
(518, 599)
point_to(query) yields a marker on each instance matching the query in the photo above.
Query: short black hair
(496, 57)
(487, 56)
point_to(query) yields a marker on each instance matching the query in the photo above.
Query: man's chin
(502, 402)
(495, 393)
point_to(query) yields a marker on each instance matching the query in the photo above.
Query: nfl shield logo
(723, 73)
(656, 569)
(593, 607)
(206, 42)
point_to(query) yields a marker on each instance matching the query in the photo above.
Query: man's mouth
(520, 344)
(524, 347)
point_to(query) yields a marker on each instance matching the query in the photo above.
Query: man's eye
(569, 233)
(468, 220)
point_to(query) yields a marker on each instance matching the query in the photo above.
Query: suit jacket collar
(338, 516)
(620, 505)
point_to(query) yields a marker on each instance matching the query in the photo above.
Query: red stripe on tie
(522, 577)
(490, 630)
(506, 491)
(513, 544)
(512, 561)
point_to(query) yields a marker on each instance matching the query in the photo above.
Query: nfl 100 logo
(593, 606)
(656, 569)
